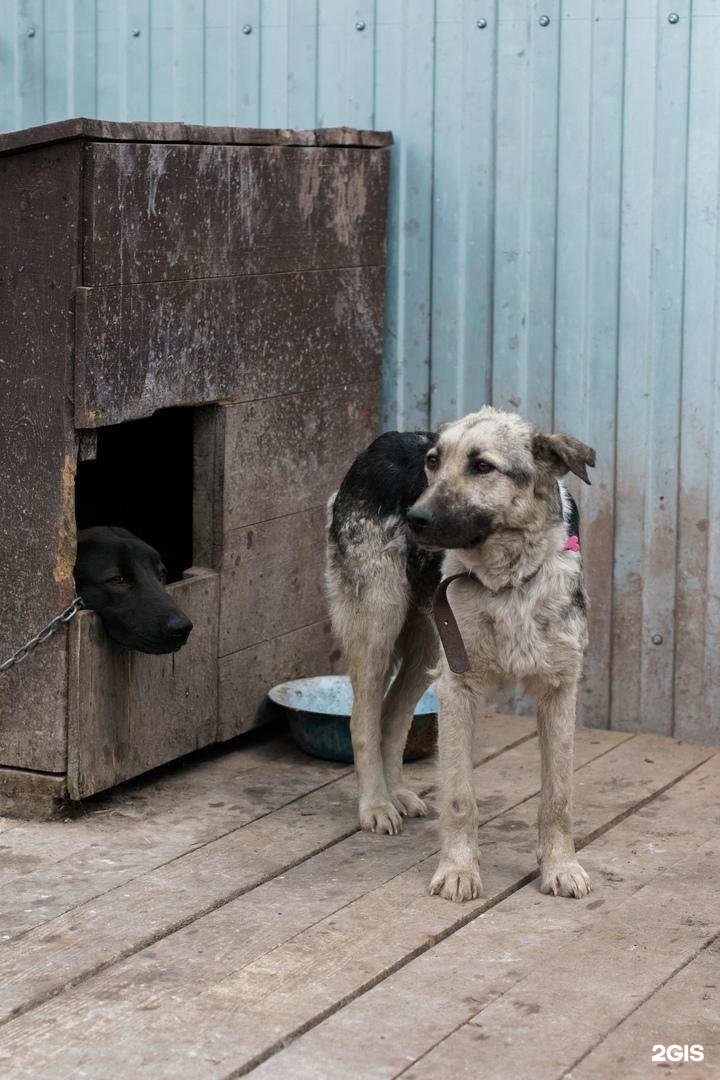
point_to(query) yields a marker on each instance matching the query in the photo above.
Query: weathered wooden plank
(144, 347)
(31, 794)
(272, 573)
(50, 868)
(419, 1006)
(246, 676)
(192, 802)
(685, 1011)
(169, 798)
(256, 969)
(39, 207)
(85, 128)
(129, 712)
(641, 944)
(93, 934)
(293, 451)
(186, 803)
(208, 509)
(161, 213)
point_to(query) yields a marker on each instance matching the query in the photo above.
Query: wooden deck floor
(226, 916)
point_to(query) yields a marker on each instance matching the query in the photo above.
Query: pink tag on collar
(572, 544)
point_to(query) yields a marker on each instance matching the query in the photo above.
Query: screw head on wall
(673, 17)
(31, 31)
(657, 639)
(481, 24)
(544, 20)
(135, 31)
(360, 24)
(247, 29)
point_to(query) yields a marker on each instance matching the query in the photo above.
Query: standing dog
(486, 491)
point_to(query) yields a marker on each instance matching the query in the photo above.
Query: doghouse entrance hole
(141, 479)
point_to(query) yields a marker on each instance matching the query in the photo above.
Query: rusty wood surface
(143, 347)
(293, 451)
(160, 213)
(272, 579)
(247, 675)
(86, 936)
(39, 219)
(129, 712)
(86, 128)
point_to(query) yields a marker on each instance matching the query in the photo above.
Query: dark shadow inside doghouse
(140, 477)
(129, 711)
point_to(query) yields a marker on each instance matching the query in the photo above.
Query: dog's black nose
(419, 517)
(178, 627)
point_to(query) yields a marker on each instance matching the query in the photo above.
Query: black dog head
(123, 579)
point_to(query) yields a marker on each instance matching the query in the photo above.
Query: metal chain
(45, 634)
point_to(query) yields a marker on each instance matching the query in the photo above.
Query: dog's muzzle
(433, 528)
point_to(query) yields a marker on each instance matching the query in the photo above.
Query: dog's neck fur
(510, 557)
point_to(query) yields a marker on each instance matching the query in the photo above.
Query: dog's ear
(560, 453)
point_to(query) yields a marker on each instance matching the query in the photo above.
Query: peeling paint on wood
(145, 347)
(159, 213)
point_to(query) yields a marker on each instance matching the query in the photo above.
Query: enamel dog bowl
(318, 712)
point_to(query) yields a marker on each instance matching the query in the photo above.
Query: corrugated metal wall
(554, 244)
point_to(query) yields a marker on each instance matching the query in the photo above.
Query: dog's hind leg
(418, 651)
(368, 597)
(369, 658)
(560, 872)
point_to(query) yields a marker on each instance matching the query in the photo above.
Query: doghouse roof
(108, 130)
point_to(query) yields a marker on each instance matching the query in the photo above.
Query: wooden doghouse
(191, 326)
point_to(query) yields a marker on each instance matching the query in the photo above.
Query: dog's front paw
(456, 883)
(381, 818)
(566, 878)
(409, 803)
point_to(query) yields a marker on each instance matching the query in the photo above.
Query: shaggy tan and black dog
(481, 500)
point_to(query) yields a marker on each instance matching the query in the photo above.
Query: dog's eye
(432, 461)
(118, 579)
(480, 465)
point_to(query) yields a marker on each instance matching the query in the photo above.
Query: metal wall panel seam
(680, 402)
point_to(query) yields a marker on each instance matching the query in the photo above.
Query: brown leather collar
(446, 623)
(447, 627)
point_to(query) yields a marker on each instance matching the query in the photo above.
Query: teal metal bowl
(318, 712)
